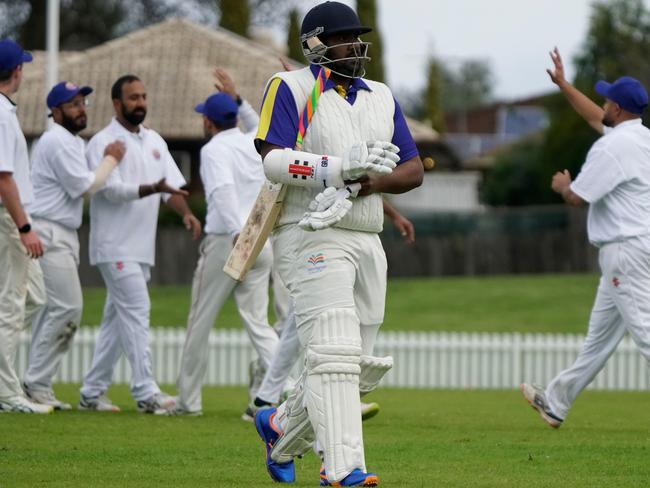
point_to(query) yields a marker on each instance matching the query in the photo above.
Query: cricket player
(232, 177)
(22, 291)
(123, 221)
(615, 182)
(357, 138)
(61, 179)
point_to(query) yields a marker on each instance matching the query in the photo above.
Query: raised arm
(585, 107)
(247, 115)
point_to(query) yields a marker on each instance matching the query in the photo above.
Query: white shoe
(178, 411)
(20, 404)
(158, 404)
(369, 410)
(536, 398)
(99, 404)
(45, 397)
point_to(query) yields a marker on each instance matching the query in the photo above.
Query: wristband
(25, 228)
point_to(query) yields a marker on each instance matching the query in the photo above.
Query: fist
(117, 149)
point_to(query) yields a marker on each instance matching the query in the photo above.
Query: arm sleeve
(279, 116)
(7, 149)
(71, 171)
(601, 173)
(248, 118)
(115, 190)
(402, 137)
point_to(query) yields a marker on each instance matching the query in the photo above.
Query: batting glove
(371, 157)
(328, 207)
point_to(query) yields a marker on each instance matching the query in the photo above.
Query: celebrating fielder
(61, 178)
(336, 276)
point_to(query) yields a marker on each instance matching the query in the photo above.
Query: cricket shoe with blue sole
(280, 472)
(355, 478)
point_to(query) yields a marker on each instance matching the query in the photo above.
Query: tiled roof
(174, 59)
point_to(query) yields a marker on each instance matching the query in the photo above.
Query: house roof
(174, 59)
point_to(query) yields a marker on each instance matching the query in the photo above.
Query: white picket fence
(422, 359)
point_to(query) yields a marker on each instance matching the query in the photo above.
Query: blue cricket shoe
(282, 473)
(355, 478)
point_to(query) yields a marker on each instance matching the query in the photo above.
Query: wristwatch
(25, 228)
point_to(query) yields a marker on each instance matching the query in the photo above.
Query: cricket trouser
(211, 287)
(124, 328)
(55, 324)
(22, 293)
(622, 304)
(337, 280)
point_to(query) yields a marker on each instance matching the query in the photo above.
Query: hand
(561, 181)
(371, 157)
(117, 149)
(32, 244)
(161, 186)
(223, 82)
(328, 207)
(405, 227)
(285, 63)
(192, 224)
(557, 74)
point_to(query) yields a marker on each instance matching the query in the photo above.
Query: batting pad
(332, 391)
(298, 435)
(373, 370)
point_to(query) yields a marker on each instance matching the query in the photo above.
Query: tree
(433, 96)
(293, 36)
(367, 10)
(235, 16)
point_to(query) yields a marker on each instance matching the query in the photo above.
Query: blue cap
(627, 92)
(219, 108)
(64, 92)
(12, 55)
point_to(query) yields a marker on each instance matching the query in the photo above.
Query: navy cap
(627, 92)
(219, 108)
(12, 55)
(64, 92)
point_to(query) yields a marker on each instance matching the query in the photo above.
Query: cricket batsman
(352, 145)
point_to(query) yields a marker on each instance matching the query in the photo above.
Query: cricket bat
(256, 231)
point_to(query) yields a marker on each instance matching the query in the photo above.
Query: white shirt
(60, 176)
(14, 157)
(123, 226)
(615, 181)
(232, 174)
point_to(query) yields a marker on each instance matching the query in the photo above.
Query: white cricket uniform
(21, 281)
(122, 246)
(615, 181)
(232, 175)
(336, 276)
(61, 177)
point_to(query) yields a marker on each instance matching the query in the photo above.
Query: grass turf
(536, 303)
(420, 439)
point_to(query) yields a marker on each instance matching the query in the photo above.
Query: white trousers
(622, 304)
(211, 287)
(124, 328)
(22, 293)
(55, 324)
(332, 269)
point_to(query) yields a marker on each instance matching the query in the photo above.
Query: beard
(74, 124)
(134, 117)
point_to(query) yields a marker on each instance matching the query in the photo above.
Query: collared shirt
(60, 176)
(279, 116)
(123, 226)
(14, 157)
(232, 175)
(615, 181)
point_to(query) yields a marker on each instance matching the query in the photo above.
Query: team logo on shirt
(316, 263)
(616, 282)
(119, 265)
(156, 154)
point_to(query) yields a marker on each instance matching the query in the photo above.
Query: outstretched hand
(223, 82)
(557, 73)
(161, 186)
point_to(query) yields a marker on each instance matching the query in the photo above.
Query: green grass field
(420, 439)
(539, 303)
